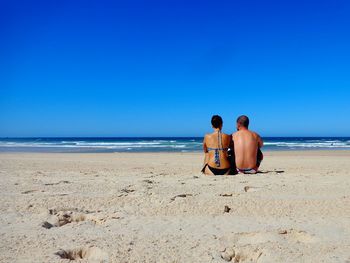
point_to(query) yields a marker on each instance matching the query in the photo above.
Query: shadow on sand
(274, 171)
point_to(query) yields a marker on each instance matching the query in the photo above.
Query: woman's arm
(205, 149)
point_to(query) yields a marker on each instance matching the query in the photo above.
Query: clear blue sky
(162, 68)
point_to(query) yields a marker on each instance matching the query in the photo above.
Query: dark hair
(243, 120)
(216, 121)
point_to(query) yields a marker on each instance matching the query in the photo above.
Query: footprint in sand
(126, 191)
(148, 181)
(62, 218)
(241, 254)
(252, 238)
(251, 189)
(60, 182)
(90, 254)
(291, 235)
(149, 184)
(226, 195)
(247, 246)
(180, 195)
(247, 254)
(300, 236)
(29, 191)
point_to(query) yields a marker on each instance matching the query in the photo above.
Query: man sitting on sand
(247, 146)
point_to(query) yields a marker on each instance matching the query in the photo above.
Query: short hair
(216, 121)
(243, 120)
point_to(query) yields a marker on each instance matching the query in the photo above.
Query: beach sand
(152, 207)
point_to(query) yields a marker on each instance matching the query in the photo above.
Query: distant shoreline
(345, 152)
(158, 144)
(160, 137)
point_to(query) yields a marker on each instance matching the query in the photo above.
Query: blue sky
(162, 68)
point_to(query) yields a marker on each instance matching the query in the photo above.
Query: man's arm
(231, 146)
(260, 141)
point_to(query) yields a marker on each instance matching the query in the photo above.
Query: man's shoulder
(255, 134)
(245, 133)
(235, 135)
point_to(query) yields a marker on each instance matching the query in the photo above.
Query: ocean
(159, 144)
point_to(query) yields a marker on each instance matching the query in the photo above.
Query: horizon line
(147, 137)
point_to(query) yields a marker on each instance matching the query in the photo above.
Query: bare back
(211, 141)
(246, 145)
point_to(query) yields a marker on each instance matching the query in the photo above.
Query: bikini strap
(217, 152)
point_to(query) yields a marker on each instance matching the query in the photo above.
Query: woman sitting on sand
(215, 146)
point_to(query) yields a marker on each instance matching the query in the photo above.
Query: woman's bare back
(211, 141)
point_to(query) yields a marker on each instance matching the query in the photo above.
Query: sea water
(159, 144)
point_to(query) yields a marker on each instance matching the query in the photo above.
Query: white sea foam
(92, 145)
(116, 143)
(314, 144)
(164, 144)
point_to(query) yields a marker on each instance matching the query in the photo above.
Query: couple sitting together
(231, 154)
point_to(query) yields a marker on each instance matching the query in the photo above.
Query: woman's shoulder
(208, 135)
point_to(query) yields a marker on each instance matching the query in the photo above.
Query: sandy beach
(152, 207)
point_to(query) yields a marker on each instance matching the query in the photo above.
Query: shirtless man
(247, 146)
